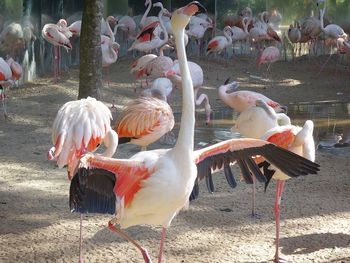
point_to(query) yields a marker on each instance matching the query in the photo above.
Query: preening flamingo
(153, 186)
(54, 35)
(242, 99)
(81, 126)
(174, 74)
(144, 121)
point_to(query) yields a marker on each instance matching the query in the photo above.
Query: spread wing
(244, 152)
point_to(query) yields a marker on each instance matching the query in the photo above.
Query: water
(331, 119)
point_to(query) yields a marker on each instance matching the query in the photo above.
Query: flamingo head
(181, 17)
(62, 22)
(230, 86)
(169, 73)
(148, 2)
(112, 20)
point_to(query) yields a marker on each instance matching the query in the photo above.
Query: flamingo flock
(152, 186)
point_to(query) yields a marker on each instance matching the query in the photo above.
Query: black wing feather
(91, 191)
(288, 162)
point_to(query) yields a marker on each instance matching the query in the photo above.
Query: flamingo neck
(166, 37)
(229, 38)
(111, 143)
(145, 14)
(185, 139)
(224, 95)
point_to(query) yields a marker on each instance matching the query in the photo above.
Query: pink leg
(58, 61)
(121, 233)
(81, 240)
(160, 255)
(279, 191)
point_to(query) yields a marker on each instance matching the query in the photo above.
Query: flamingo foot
(255, 215)
(278, 259)
(80, 260)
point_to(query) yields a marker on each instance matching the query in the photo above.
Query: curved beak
(194, 8)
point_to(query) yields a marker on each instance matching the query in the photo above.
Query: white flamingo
(153, 186)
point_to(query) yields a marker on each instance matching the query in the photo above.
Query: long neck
(145, 14)
(109, 29)
(185, 140)
(322, 11)
(229, 38)
(166, 37)
(224, 95)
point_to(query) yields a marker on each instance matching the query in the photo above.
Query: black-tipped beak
(194, 8)
(284, 109)
(227, 81)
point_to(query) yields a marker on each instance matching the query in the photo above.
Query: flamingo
(146, 20)
(109, 50)
(219, 43)
(157, 66)
(296, 139)
(161, 89)
(12, 39)
(148, 40)
(126, 24)
(10, 71)
(144, 121)
(244, 99)
(268, 56)
(153, 186)
(174, 74)
(81, 126)
(75, 28)
(54, 35)
(139, 66)
(106, 29)
(240, 34)
(197, 28)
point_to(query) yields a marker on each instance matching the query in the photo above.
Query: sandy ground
(37, 226)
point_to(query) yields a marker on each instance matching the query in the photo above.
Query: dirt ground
(37, 226)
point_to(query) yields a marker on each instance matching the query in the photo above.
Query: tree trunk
(90, 77)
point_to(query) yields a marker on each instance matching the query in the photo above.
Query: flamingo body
(244, 99)
(144, 121)
(269, 55)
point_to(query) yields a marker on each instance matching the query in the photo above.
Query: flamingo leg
(253, 197)
(161, 248)
(81, 240)
(278, 197)
(121, 233)
(55, 63)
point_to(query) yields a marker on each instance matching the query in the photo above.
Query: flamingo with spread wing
(153, 186)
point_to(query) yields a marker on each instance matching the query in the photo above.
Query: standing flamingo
(148, 40)
(243, 99)
(144, 121)
(174, 74)
(296, 139)
(220, 43)
(153, 186)
(81, 126)
(53, 34)
(268, 56)
(109, 50)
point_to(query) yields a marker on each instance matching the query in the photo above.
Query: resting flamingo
(54, 35)
(144, 121)
(174, 74)
(242, 99)
(153, 186)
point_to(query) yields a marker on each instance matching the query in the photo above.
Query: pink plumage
(269, 55)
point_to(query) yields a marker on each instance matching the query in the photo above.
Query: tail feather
(91, 191)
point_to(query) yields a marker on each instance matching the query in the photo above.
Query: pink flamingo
(174, 74)
(109, 50)
(55, 35)
(220, 43)
(10, 71)
(268, 56)
(75, 28)
(148, 40)
(153, 186)
(144, 121)
(244, 99)
(296, 139)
